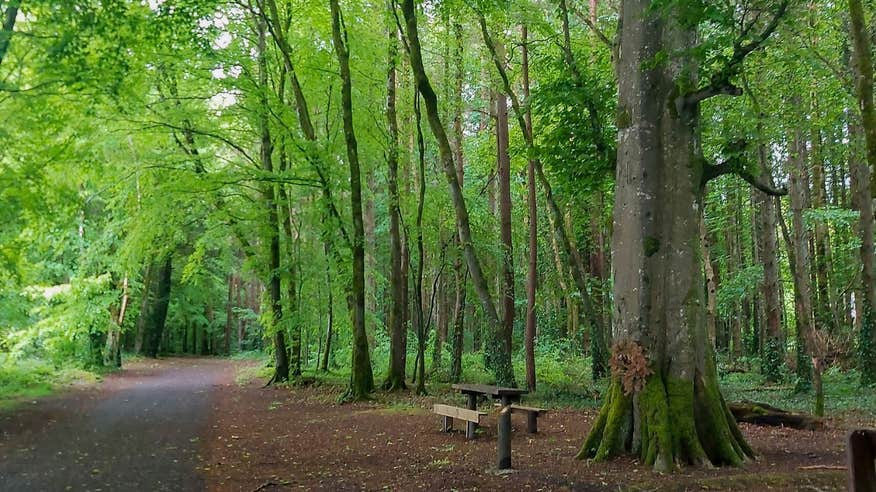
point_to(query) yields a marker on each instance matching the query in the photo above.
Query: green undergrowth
(25, 379)
(843, 393)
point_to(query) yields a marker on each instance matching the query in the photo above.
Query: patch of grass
(248, 373)
(843, 393)
(33, 378)
(249, 355)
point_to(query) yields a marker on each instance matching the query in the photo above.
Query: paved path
(141, 430)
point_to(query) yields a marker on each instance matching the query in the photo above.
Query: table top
(486, 389)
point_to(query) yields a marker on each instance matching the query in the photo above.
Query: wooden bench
(532, 414)
(450, 412)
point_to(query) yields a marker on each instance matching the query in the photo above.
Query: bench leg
(532, 422)
(471, 426)
(503, 445)
(448, 424)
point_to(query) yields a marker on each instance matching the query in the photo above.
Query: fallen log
(764, 414)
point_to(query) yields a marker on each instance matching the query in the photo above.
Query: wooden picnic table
(507, 395)
(472, 391)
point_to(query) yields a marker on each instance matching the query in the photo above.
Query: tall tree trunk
(578, 271)
(664, 404)
(158, 312)
(395, 379)
(711, 285)
(802, 280)
(504, 371)
(531, 199)
(865, 295)
(823, 306)
(460, 273)
(863, 63)
(419, 311)
(503, 173)
(773, 341)
(269, 194)
(361, 377)
(229, 314)
(330, 318)
(143, 317)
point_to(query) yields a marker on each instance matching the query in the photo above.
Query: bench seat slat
(458, 413)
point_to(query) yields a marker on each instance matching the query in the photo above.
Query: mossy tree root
(668, 423)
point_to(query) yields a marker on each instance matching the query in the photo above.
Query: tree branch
(720, 81)
(735, 165)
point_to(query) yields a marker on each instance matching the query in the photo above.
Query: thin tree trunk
(578, 272)
(395, 379)
(361, 377)
(269, 194)
(800, 271)
(531, 198)
(503, 172)
(504, 370)
(823, 306)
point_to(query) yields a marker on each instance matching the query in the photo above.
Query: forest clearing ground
(143, 428)
(284, 438)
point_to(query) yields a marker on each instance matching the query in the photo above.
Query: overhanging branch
(736, 166)
(720, 82)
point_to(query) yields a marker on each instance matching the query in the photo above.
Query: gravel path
(142, 429)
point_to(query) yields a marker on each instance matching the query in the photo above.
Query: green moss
(652, 246)
(655, 425)
(609, 434)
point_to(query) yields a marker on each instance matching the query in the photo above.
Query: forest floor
(141, 429)
(288, 438)
(196, 424)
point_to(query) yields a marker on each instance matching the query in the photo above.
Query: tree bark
(774, 339)
(800, 270)
(395, 379)
(503, 174)
(158, 313)
(664, 404)
(361, 377)
(863, 64)
(532, 202)
(269, 194)
(823, 305)
(503, 369)
(460, 273)
(865, 296)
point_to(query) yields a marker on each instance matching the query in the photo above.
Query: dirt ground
(185, 425)
(285, 438)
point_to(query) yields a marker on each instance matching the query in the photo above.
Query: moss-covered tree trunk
(361, 376)
(663, 404)
(269, 195)
(395, 378)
